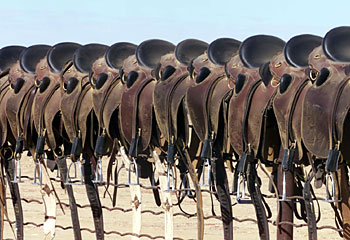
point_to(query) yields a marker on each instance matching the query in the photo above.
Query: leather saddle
(20, 100)
(46, 105)
(205, 98)
(8, 56)
(291, 76)
(171, 88)
(250, 103)
(326, 103)
(107, 91)
(136, 110)
(76, 99)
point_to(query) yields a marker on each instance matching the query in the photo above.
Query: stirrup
(98, 173)
(207, 163)
(240, 196)
(69, 179)
(35, 178)
(331, 198)
(17, 169)
(133, 163)
(170, 180)
(187, 193)
(284, 189)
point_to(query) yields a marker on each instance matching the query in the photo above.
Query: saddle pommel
(31, 56)
(59, 55)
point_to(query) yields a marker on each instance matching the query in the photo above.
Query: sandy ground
(151, 224)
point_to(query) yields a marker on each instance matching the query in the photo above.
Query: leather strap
(256, 197)
(310, 211)
(92, 193)
(16, 198)
(223, 194)
(62, 164)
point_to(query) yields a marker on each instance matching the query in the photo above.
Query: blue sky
(31, 22)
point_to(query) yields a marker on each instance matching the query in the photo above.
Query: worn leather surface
(168, 96)
(101, 95)
(319, 105)
(205, 98)
(136, 110)
(283, 103)
(69, 102)
(15, 107)
(4, 94)
(46, 103)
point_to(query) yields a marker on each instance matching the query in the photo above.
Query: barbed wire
(157, 213)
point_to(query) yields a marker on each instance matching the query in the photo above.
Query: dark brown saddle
(291, 76)
(107, 92)
(205, 98)
(136, 110)
(171, 88)
(19, 103)
(251, 101)
(8, 56)
(326, 103)
(76, 99)
(46, 105)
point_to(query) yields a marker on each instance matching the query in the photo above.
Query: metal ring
(274, 81)
(311, 75)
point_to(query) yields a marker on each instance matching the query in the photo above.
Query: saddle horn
(298, 48)
(221, 50)
(59, 55)
(259, 49)
(8, 56)
(31, 56)
(86, 55)
(189, 49)
(118, 52)
(336, 44)
(149, 52)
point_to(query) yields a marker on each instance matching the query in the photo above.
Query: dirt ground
(153, 225)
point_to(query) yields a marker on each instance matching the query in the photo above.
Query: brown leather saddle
(8, 56)
(46, 105)
(76, 99)
(291, 76)
(207, 98)
(107, 92)
(136, 109)
(170, 91)
(250, 105)
(326, 103)
(20, 101)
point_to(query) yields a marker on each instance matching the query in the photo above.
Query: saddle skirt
(204, 98)
(320, 102)
(136, 109)
(287, 106)
(168, 97)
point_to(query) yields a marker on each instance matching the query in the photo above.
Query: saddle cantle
(251, 100)
(108, 88)
(206, 96)
(19, 104)
(8, 56)
(46, 103)
(136, 110)
(291, 76)
(76, 100)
